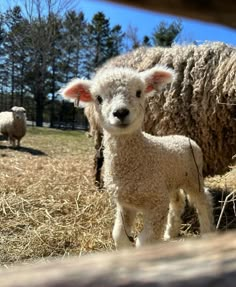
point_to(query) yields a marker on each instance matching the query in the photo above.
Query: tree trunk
(39, 109)
(12, 83)
(52, 110)
(73, 119)
(22, 83)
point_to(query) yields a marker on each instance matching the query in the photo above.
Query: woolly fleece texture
(95, 128)
(13, 125)
(143, 172)
(205, 77)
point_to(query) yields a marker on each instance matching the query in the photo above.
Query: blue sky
(145, 21)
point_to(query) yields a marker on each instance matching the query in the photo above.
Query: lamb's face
(119, 99)
(119, 95)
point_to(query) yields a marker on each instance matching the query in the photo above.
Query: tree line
(41, 51)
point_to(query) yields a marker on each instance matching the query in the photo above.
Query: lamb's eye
(138, 94)
(99, 99)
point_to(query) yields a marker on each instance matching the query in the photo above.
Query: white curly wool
(13, 125)
(197, 104)
(143, 172)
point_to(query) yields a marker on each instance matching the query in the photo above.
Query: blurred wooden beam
(203, 262)
(216, 11)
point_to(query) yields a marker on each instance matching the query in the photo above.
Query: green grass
(55, 132)
(56, 140)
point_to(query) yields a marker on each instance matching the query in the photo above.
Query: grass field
(49, 205)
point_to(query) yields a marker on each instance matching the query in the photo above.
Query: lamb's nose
(121, 113)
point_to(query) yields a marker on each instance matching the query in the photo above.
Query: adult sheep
(198, 103)
(13, 125)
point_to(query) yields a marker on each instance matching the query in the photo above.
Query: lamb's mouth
(121, 125)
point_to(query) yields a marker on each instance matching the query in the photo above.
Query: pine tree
(15, 49)
(98, 35)
(3, 74)
(103, 42)
(115, 42)
(44, 30)
(146, 41)
(54, 61)
(73, 45)
(164, 34)
(41, 51)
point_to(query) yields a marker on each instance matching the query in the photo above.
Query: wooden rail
(203, 262)
(217, 11)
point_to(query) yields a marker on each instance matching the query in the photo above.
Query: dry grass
(223, 189)
(48, 203)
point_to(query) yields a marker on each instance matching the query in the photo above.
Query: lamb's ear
(157, 78)
(78, 90)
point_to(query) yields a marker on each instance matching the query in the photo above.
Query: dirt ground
(50, 207)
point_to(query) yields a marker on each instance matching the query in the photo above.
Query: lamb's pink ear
(77, 89)
(157, 78)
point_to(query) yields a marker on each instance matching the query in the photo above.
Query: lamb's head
(18, 113)
(119, 95)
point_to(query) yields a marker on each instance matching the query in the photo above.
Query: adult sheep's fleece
(198, 102)
(13, 125)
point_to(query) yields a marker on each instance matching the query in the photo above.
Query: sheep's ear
(78, 90)
(157, 78)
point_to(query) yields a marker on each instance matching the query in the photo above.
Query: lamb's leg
(202, 201)
(176, 209)
(154, 225)
(122, 227)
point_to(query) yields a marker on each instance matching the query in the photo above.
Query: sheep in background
(205, 77)
(13, 125)
(143, 172)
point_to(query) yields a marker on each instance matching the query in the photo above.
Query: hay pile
(49, 205)
(223, 189)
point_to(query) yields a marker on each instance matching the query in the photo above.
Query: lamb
(143, 172)
(13, 125)
(191, 106)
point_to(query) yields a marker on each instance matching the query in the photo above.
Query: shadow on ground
(2, 138)
(32, 151)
